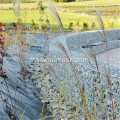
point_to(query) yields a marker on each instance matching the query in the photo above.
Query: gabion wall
(90, 83)
(90, 79)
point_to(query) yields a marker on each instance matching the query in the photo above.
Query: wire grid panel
(95, 86)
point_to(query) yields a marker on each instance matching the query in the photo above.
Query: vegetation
(64, 0)
(33, 25)
(84, 111)
(25, 1)
(82, 11)
(89, 3)
(9, 17)
(84, 21)
(85, 25)
(82, 1)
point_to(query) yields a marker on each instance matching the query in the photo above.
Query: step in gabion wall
(110, 45)
(78, 40)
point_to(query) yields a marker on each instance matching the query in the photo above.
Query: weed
(98, 109)
(70, 25)
(41, 12)
(33, 25)
(93, 26)
(76, 29)
(85, 26)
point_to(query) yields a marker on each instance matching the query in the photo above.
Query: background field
(82, 12)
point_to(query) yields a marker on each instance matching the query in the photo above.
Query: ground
(114, 57)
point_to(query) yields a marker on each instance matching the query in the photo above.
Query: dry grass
(85, 111)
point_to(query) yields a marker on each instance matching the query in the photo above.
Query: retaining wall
(88, 75)
(78, 40)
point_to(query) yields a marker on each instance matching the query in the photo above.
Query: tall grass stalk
(61, 47)
(18, 41)
(107, 74)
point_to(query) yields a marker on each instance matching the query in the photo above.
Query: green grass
(9, 1)
(70, 4)
(91, 11)
(22, 5)
(82, 3)
(65, 17)
(74, 12)
(89, 3)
